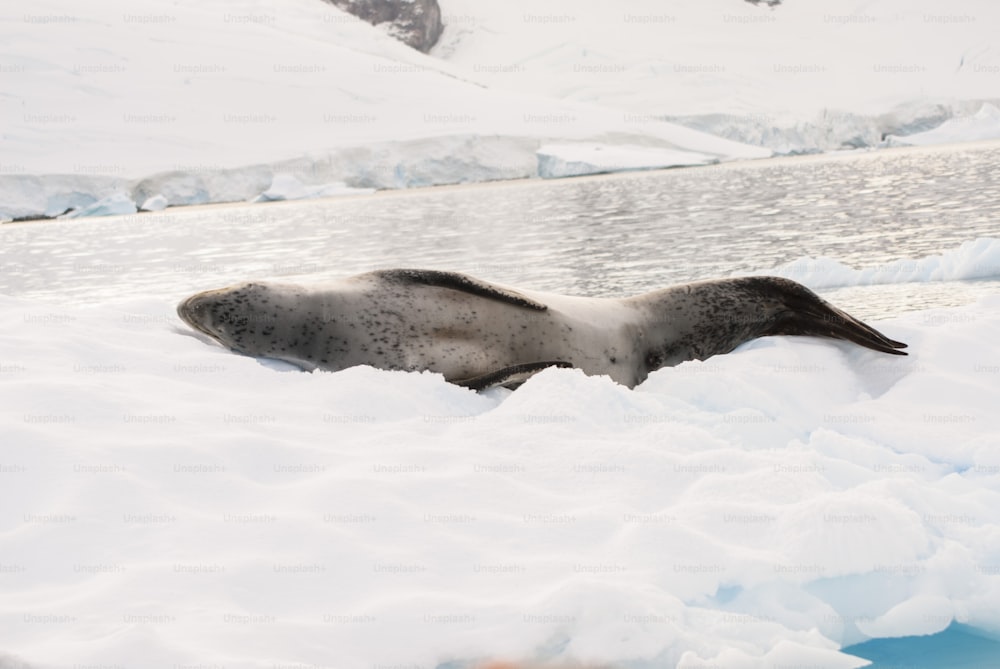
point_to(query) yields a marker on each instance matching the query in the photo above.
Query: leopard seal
(479, 334)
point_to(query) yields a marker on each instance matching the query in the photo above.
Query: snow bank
(287, 187)
(833, 130)
(979, 259)
(116, 204)
(571, 160)
(984, 124)
(165, 500)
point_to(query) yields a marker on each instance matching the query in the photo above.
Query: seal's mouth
(192, 311)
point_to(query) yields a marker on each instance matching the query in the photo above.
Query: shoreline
(776, 160)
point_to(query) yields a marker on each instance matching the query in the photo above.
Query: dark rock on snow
(416, 23)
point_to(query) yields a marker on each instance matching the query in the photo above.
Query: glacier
(178, 101)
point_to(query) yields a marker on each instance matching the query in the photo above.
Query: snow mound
(982, 125)
(918, 616)
(978, 259)
(165, 498)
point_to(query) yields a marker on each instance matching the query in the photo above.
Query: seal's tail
(806, 313)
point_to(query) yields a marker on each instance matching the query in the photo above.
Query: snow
(917, 616)
(155, 203)
(164, 500)
(287, 187)
(984, 124)
(571, 160)
(116, 204)
(976, 259)
(844, 75)
(210, 101)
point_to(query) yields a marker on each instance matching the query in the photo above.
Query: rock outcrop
(416, 23)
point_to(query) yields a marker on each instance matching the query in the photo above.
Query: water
(957, 647)
(603, 236)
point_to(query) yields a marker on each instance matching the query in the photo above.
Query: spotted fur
(480, 334)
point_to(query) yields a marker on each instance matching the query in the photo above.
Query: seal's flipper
(845, 326)
(510, 377)
(462, 282)
(806, 313)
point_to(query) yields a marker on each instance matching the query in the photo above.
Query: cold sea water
(611, 235)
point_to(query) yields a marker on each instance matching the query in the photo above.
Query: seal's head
(239, 317)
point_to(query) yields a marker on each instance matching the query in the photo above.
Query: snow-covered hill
(801, 76)
(166, 102)
(209, 100)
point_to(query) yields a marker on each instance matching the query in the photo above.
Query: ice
(186, 188)
(181, 99)
(957, 647)
(984, 124)
(976, 259)
(286, 187)
(570, 160)
(918, 616)
(833, 130)
(113, 205)
(719, 72)
(23, 195)
(155, 203)
(163, 497)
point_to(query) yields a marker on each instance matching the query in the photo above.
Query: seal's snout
(186, 309)
(194, 311)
